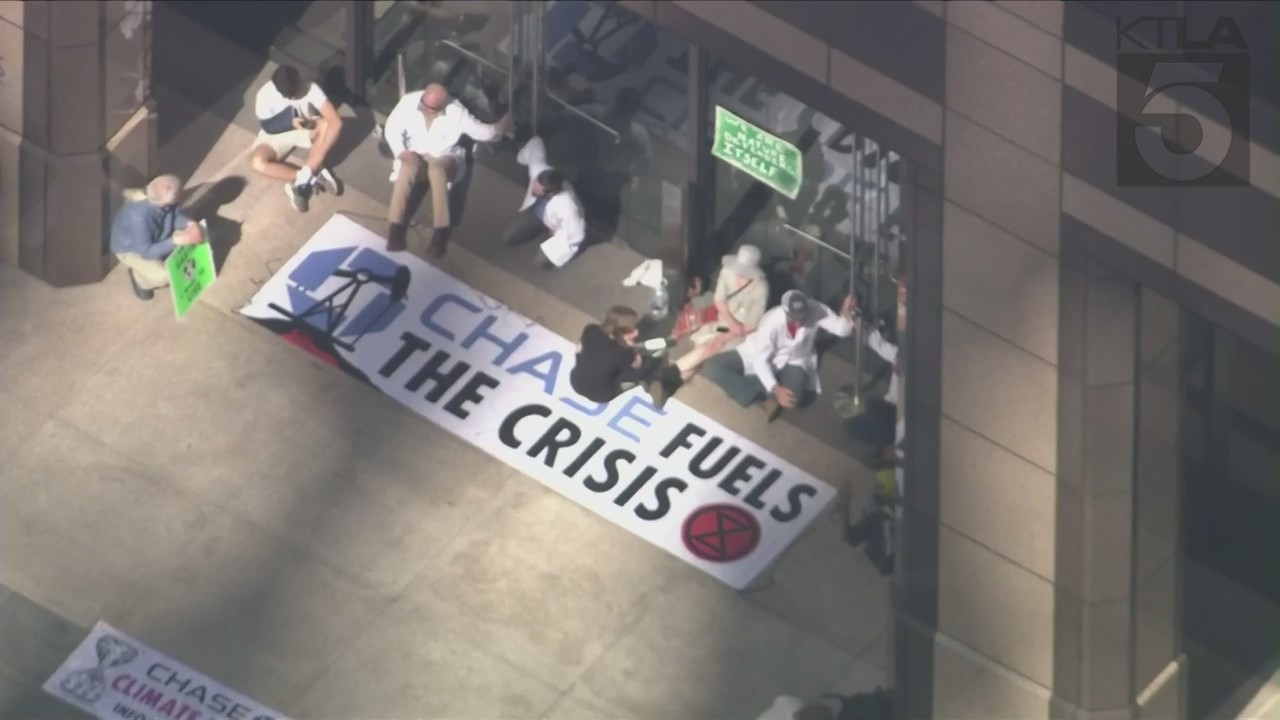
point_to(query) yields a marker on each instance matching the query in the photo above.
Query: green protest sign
(191, 270)
(767, 158)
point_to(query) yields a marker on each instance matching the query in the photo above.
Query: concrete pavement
(265, 519)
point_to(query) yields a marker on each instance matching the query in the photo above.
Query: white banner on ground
(501, 382)
(114, 677)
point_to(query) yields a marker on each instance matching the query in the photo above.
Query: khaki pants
(149, 274)
(436, 172)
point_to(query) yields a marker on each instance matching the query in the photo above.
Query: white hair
(164, 190)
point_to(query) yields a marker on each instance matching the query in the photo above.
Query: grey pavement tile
(33, 639)
(860, 677)
(853, 605)
(259, 616)
(880, 652)
(24, 699)
(227, 609)
(70, 575)
(571, 707)
(52, 339)
(412, 665)
(76, 486)
(702, 651)
(248, 407)
(390, 511)
(543, 583)
(20, 418)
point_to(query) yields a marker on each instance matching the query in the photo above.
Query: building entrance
(604, 88)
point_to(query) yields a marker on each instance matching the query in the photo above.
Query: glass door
(840, 233)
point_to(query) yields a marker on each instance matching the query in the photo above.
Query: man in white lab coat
(550, 209)
(423, 131)
(778, 362)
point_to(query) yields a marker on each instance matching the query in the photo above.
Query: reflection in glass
(127, 54)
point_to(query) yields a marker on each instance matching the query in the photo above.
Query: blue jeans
(727, 371)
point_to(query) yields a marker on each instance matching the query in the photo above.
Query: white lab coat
(889, 352)
(770, 348)
(406, 129)
(563, 215)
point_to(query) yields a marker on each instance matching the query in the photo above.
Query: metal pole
(535, 37)
(854, 203)
(874, 234)
(511, 58)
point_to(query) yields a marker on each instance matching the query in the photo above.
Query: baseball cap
(797, 305)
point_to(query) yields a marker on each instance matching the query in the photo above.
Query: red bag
(691, 319)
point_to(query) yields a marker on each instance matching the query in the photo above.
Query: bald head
(164, 190)
(434, 99)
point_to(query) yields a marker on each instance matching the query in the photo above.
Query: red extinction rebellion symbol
(721, 533)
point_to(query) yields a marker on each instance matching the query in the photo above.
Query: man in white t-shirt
(293, 114)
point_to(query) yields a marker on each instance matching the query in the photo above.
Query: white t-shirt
(270, 102)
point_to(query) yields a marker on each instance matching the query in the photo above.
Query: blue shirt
(539, 207)
(146, 229)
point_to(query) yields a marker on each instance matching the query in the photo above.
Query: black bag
(281, 122)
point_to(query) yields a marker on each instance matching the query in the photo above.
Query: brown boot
(771, 409)
(396, 237)
(439, 242)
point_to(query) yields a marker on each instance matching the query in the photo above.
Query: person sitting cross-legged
(146, 230)
(741, 298)
(294, 114)
(608, 363)
(778, 363)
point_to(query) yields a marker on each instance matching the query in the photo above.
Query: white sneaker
(328, 182)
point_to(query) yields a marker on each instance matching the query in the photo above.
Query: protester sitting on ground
(778, 362)
(875, 426)
(294, 114)
(423, 132)
(608, 363)
(741, 297)
(146, 230)
(550, 209)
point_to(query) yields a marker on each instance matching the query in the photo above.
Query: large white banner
(501, 382)
(114, 677)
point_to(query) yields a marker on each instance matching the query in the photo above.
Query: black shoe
(138, 290)
(658, 393)
(396, 237)
(771, 409)
(439, 242)
(299, 196)
(326, 182)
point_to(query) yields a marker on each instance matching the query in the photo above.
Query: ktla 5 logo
(329, 285)
(1182, 103)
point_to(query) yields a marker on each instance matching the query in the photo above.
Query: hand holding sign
(190, 235)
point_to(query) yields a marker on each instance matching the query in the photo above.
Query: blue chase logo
(352, 273)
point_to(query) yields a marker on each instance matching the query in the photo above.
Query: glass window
(842, 229)
(1231, 511)
(127, 54)
(616, 113)
(610, 99)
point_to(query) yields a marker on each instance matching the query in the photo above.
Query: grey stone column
(1039, 563)
(1117, 642)
(76, 126)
